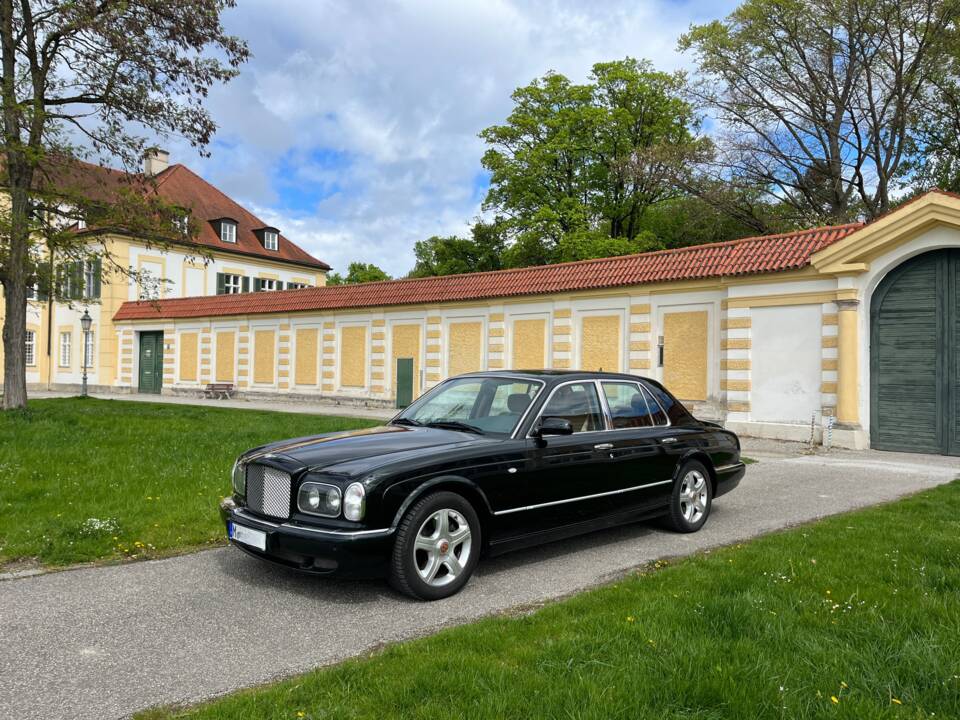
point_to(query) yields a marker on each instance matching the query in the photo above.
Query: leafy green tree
(592, 158)
(827, 106)
(109, 75)
(358, 272)
(452, 255)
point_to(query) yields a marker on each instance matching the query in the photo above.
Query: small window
(82, 224)
(271, 240)
(30, 348)
(268, 285)
(232, 284)
(297, 285)
(66, 342)
(578, 403)
(182, 224)
(228, 231)
(676, 412)
(88, 345)
(91, 279)
(628, 405)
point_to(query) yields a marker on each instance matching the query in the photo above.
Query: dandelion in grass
(895, 701)
(834, 699)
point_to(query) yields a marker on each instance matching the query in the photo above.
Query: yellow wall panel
(188, 357)
(405, 343)
(600, 343)
(466, 347)
(225, 346)
(263, 356)
(529, 337)
(685, 354)
(305, 372)
(353, 356)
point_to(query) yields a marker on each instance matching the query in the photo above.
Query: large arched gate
(915, 356)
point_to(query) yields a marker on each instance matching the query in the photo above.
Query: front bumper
(364, 553)
(729, 477)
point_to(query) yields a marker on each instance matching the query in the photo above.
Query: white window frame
(232, 284)
(297, 285)
(228, 232)
(89, 279)
(88, 349)
(66, 349)
(273, 284)
(30, 348)
(271, 240)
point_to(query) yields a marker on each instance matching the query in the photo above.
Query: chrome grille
(268, 491)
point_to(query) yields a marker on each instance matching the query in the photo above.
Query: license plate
(247, 536)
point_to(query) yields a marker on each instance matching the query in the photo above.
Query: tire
(430, 561)
(692, 498)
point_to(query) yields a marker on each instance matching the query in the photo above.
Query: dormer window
(227, 229)
(269, 237)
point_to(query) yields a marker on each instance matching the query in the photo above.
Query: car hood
(323, 451)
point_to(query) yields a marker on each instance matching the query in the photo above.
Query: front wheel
(692, 498)
(437, 547)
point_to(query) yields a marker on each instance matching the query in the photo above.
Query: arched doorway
(915, 356)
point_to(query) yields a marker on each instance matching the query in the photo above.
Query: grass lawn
(857, 616)
(89, 479)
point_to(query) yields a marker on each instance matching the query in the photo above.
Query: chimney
(155, 161)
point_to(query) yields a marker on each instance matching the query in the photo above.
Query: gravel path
(105, 642)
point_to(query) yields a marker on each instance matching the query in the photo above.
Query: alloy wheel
(693, 496)
(442, 547)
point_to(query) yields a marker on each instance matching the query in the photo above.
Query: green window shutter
(245, 284)
(257, 285)
(97, 270)
(221, 284)
(76, 281)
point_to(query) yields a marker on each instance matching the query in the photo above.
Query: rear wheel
(437, 547)
(692, 498)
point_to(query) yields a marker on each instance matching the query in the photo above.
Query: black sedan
(482, 464)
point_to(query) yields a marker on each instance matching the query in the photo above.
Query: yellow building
(851, 330)
(234, 252)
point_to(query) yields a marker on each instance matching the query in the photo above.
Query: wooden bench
(224, 391)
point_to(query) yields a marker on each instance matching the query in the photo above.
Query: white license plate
(247, 536)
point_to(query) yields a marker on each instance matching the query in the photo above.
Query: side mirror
(554, 426)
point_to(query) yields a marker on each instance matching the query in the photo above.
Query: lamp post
(85, 322)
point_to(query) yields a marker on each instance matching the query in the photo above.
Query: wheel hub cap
(442, 547)
(693, 496)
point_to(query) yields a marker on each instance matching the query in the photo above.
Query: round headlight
(319, 499)
(354, 502)
(239, 478)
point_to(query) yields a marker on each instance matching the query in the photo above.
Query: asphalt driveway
(105, 642)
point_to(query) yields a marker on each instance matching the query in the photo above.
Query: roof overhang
(853, 254)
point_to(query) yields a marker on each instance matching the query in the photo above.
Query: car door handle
(667, 440)
(603, 446)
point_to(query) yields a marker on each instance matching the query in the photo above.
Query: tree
(824, 105)
(358, 272)
(108, 75)
(452, 255)
(592, 158)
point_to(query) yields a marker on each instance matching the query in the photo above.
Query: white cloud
(354, 127)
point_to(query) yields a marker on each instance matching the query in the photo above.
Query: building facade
(234, 251)
(851, 330)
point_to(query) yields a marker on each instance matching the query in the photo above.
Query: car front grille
(268, 491)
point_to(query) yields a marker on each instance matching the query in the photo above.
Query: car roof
(553, 375)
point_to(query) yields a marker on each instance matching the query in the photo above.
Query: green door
(404, 376)
(914, 363)
(151, 362)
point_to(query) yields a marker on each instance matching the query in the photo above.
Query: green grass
(149, 475)
(747, 460)
(857, 616)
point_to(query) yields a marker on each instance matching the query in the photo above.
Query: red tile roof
(769, 253)
(181, 186)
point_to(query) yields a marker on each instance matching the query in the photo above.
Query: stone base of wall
(344, 400)
(76, 388)
(852, 439)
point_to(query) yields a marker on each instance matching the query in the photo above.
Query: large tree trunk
(14, 329)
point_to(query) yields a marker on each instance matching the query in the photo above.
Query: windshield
(488, 405)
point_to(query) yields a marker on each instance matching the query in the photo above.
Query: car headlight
(319, 499)
(354, 501)
(239, 478)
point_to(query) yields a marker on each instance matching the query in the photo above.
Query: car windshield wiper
(406, 421)
(455, 425)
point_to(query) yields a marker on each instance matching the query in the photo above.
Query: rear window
(675, 411)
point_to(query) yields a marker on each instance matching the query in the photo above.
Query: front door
(914, 361)
(151, 362)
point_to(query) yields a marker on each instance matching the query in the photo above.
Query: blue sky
(354, 127)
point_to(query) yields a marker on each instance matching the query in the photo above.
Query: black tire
(405, 571)
(679, 519)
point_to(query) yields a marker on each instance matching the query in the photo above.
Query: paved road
(104, 642)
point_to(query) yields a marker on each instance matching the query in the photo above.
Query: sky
(354, 126)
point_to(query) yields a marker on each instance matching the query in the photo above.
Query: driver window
(578, 403)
